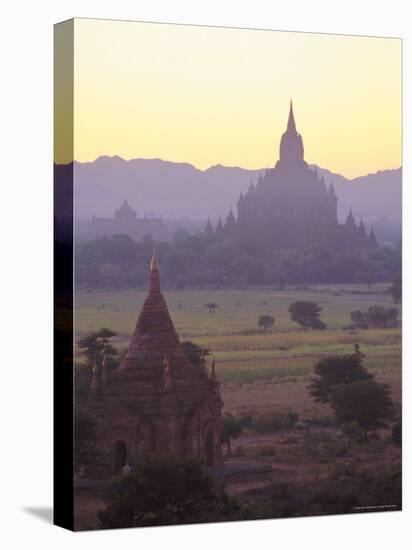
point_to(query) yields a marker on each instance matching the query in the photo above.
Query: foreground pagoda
(157, 401)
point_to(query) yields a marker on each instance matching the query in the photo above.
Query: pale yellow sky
(213, 95)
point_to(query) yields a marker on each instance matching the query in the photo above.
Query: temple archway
(209, 449)
(119, 456)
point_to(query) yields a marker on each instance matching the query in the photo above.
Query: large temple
(156, 401)
(126, 222)
(290, 206)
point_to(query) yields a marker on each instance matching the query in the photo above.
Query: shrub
(307, 314)
(167, 491)
(266, 322)
(376, 316)
(270, 421)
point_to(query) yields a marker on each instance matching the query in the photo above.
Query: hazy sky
(212, 95)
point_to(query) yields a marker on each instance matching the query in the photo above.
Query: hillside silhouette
(178, 190)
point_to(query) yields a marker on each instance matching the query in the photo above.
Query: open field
(270, 372)
(259, 370)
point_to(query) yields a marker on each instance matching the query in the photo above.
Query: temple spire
(208, 227)
(372, 237)
(361, 229)
(291, 144)
(350, 221)
(291, 119)
(154, 264)
(154, 279)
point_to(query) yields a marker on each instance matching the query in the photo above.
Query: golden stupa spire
(153, 264)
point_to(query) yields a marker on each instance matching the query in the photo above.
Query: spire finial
(291, 119)
(153, 264)
(154, 279)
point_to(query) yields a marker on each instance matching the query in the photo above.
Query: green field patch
(244, 354)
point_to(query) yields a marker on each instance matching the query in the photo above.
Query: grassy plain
(313, 472)
(259, 370)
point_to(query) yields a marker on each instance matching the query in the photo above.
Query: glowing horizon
(211, 95)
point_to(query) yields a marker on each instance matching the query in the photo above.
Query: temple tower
(291, 144)
(156, 401)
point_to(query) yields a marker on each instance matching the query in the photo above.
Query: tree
(359, 319)
(167, 491)
(86, 451)
(366, 402)
(231, 429)
(193, 352)
(307, 314)
(221, 254)
(381, 317)
(334, 371)
(212, 307)
(375, 316)
(93, 344)
(266, 322)
(396, 291)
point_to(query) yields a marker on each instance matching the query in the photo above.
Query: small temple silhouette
(290, 206)
(156, 401)
(126, 222)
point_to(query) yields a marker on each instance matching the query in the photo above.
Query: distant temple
(126, 222)
(156, 401)
(291, 207)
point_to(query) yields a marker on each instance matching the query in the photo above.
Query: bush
(246, 421)
(167, 491)
(270, 421)
(193, 352)
(376, 316)
(266, 322)
(307, 314)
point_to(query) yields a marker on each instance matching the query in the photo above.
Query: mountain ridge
(179, 189)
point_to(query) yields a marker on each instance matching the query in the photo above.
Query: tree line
(215, 261)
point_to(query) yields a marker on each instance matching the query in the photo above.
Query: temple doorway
(119, 456)
(209, 449)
